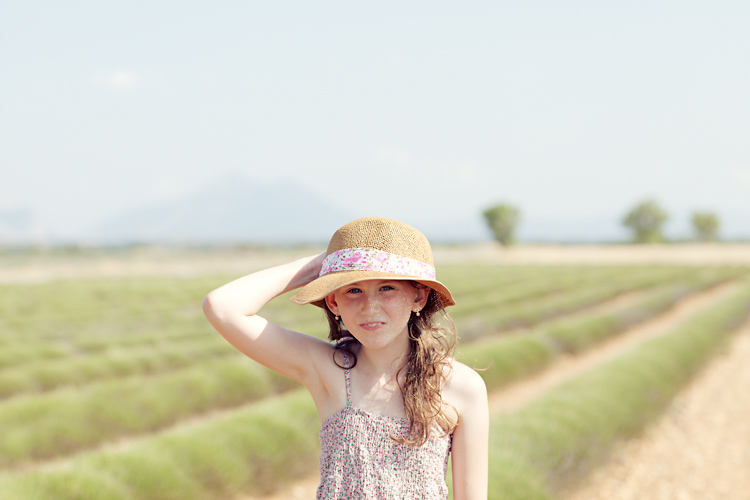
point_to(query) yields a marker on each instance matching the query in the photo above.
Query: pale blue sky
(571, 110)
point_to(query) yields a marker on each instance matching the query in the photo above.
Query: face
(377, 312)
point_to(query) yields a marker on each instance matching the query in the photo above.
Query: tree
(706, 226)
(502, 220)
(646, 220)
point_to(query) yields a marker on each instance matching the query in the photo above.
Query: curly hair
(425, 372)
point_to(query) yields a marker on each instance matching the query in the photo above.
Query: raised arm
(232, 309)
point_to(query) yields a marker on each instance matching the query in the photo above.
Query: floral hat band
(368, 259)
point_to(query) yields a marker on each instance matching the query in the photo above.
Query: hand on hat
(312, 269)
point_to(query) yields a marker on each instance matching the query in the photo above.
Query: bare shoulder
(465, 389)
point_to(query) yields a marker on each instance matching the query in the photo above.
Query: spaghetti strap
(348, 381)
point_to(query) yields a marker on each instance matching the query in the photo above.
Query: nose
(370, 304)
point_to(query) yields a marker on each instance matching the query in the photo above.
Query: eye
(354, 290)
(387, 287)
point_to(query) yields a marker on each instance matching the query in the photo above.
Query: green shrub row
(560, 437)
(513, 357)
(42, 375)
(254, 450)
(54, 424)
(65, 306)
(546, 282)
(509, 296)
(19, 352)
(95, 342)
(473, 279)
(576, 334)
(526, 314)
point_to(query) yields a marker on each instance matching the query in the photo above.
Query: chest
(376, 395)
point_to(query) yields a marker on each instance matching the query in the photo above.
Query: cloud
(119, 80)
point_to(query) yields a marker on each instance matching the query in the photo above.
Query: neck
(387, 361)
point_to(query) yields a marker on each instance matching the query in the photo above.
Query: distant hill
(233, 209)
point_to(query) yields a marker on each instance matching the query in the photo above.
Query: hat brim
(316, 291)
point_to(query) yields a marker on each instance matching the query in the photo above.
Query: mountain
(233, 209)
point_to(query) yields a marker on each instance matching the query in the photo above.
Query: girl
(393, 401)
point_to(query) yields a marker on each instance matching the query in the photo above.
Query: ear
(420, 300)
(331, 303)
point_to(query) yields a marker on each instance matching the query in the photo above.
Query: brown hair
(426, 369)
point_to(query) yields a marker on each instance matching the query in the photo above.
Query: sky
(571, 111)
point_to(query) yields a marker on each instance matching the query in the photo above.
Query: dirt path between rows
(698, 450)
(523, 392)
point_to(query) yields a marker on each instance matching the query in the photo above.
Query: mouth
(372, 325)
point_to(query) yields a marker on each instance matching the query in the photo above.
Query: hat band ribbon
(368, 259)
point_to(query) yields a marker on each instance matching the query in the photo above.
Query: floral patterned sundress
(359, 460)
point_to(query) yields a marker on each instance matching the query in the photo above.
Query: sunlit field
(116, 387)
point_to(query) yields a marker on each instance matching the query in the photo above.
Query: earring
(336, 317)
(417, 311)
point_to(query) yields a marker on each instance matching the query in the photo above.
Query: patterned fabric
(367, 259)
(359, 460)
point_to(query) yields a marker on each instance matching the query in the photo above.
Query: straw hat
(373, 248)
